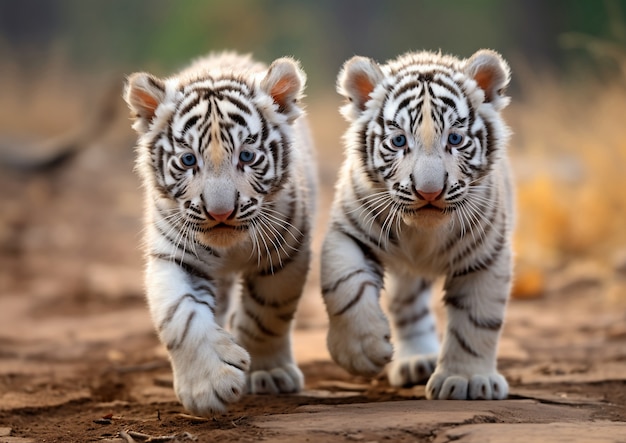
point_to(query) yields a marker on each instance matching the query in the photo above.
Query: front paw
(209, 377)
(286, 379)
(361, 350)
(444, 385)
(410, 371)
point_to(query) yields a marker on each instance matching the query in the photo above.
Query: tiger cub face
(215, 146)
(425, 128)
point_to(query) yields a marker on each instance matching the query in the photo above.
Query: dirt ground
(79, 360)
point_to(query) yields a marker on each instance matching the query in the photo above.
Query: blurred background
(70, 204)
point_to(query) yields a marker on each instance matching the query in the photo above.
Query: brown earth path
(79, 360)
(93, 371)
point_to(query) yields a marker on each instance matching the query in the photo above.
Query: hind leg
(413, 329)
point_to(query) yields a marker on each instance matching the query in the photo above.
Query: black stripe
(367, 252)
(190, 318)
(203, 287)
(364, 149)
(399, 304)
(259, 324)
(266, 303)
(172, 309)
(412, 84)
(447, 101)
(491, 144)
(455, 301)
(240, 366)
(478, 241)
(230, 86)
(483, 265)
(194, 271)
(237, 119)
(356, 298)
(339, 281)
(191, 104)
(240, 105)
(414, 318)
(204, 135)
(464, 345)
(285, 162)
(155, 83)
(181, 191)
(492, 324)
(191, 121)
(190, 269)
(404, 103)
(452, 88)
(287, 316)
(250, 335)
(355, 222)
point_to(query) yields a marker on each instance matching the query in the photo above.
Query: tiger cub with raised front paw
(226, 162)
(425, 191)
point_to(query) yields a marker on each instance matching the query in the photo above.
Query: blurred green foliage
(162, 35)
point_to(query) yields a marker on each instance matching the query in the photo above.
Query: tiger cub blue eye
(246, 156)
(455, 139)
(188, 159)
(399, 141)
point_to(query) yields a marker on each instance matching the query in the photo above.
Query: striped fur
(226, 162)
(424, 192)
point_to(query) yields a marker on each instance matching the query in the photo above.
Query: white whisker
(255, 242)
(276, 240)
(273, 219)
(262, 234)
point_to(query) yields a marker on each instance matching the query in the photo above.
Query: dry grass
(569, 152)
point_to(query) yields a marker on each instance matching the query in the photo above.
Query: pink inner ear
(146, 102)
(363, 88)
(282, 91)
(485, 79)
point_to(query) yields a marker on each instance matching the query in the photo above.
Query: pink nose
(221, 217)
(429, 196)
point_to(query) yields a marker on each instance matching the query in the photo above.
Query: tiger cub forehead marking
(427, 131)
(216, 151)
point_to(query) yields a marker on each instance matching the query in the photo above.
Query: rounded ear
(491, 73)
(143, 93)
(284, 82)
(357, 79)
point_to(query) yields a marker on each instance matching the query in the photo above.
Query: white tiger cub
(424, 191)
(226, 162)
